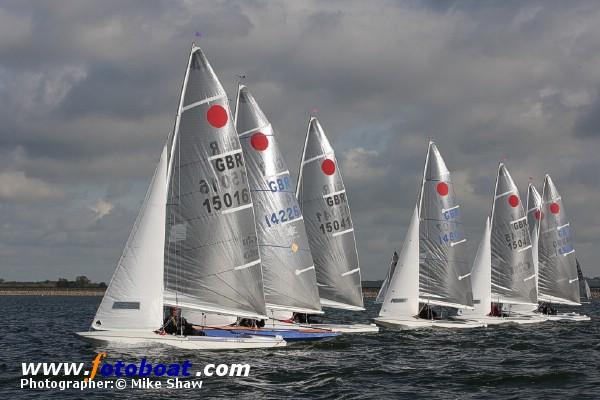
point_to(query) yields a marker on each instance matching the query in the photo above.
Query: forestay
(212, 261)
(133, 299)
(324, 203)
(558, 281)
(288, 268)
(513, 272)
(386, 282)
(444, 273)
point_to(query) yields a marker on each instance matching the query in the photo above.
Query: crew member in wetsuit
(175, 324)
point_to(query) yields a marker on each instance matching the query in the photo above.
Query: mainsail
(324, 203)
(133, 298)
(212, 261)
(558, 281)
(386, 282)
(584, 289)
(513, 272)
(288, 269)
(444, 274)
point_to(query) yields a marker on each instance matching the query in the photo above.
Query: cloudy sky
(89, 90)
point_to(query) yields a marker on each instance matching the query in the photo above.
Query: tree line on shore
(80, 282)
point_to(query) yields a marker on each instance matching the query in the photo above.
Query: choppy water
(549, 360)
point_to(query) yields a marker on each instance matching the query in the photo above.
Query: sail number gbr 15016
(228, 187)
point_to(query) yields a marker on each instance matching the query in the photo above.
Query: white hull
(418, 323)
(568, 317)
(536, 319)
(341, 328)
(137, 338)
(347, 328)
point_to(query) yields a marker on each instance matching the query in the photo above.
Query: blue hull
(288, 334)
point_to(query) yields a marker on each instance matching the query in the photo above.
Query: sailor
(175, 324)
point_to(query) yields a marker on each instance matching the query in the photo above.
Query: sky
(89, 92)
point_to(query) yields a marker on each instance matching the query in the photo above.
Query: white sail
(558, 280)
(288, 267)
(133, 299)
(444, 273)
(402, 297)
(513, 272)
(481, 276)
(584, 289)
(386, 282)
(212, 261)
(325, 207)
(534, 213)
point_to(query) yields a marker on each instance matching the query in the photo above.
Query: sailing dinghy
(431, 270)
(503, 272)
(386, 282)
(558, 275)
(206, 257)
(288, 270)
(534, 210)
(324, 204)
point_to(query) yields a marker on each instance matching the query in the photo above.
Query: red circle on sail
(328, 167)
(442, 188)
(538, 215)
(513, 200)
(259, 141)
(554, 208)
(216, 116)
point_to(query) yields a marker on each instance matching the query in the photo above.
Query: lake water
(552, 360)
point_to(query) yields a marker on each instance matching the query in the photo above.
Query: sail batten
(288, 268)
(511, 249)
(558, 277)
(324, 203)
(210, 227)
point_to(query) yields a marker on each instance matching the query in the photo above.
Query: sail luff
(301, 168)
(175, 134)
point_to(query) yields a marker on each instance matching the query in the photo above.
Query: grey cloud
(89, 91)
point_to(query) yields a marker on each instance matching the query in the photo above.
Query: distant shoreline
(368, 292)
(51, 291)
